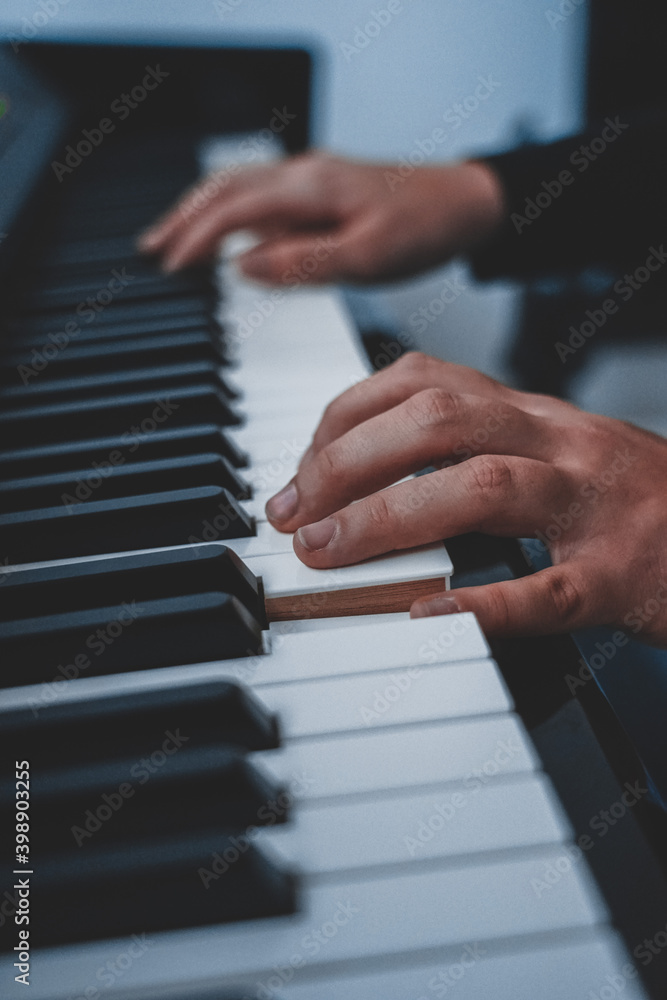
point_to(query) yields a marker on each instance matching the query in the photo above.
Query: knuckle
(378, 512)
(434, 408)
(312, 169)
(415, 365)
(488, 475)
(331, 463)
(500, 612)
(565, 595)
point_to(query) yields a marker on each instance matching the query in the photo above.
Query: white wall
(382, 98)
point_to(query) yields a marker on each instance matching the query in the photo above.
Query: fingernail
(284, 504)
(440, 605)
(256, 265)
(170, 264)
(317, 536)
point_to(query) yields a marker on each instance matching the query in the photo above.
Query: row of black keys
(114, 862)
(118, 443)
(121, 844)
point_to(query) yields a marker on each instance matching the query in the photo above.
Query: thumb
(551, 601)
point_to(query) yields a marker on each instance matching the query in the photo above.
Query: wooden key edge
(371, 600)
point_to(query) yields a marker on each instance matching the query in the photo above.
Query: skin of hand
(358, 221)
(506, 463)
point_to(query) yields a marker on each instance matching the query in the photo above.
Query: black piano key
(63, 456)
(117, 312)
(40, 332)
(163, 377)
(127, 479)
(111, 220)
(173, 786)
(143, 522)
(155, 886)
(124, 413)
(100, 249)
(132, 636)
(215, 713)
(56, 589)
(66, 294)
(79, 359)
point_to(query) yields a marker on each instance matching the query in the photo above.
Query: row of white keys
(361, 794)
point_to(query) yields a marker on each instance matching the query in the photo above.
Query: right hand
(357, 221)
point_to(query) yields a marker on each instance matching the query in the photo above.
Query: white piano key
(266, 542)
(276, 447)
(472, 751)
(394, 697)
(359, 919)
(557, 970)
(285, 575)
(269, 477)
(269, 392)
(443, 822)
(295, 653)
(259, 435)
(383, 645)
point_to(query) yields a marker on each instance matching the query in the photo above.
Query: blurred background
(386, 75)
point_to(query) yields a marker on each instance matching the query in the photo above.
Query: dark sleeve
(599, 198)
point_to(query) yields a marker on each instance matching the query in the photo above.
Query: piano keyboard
(325, 804)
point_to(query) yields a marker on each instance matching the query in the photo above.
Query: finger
(558, 599)
(497, 494)
(428, 428)
(197, 199)
(396, 383)
(254, 207)
(291, 259)
(152, 240)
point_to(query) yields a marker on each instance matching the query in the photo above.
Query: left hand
(508, 463)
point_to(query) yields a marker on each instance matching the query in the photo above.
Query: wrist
(486, 202)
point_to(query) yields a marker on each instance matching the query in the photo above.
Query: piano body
(227, 784)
